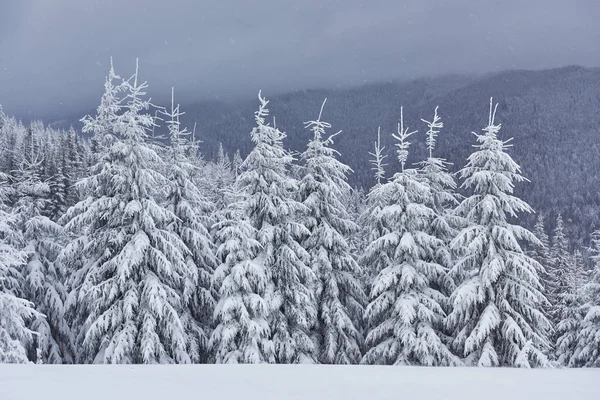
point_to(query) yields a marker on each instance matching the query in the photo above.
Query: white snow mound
(280, 382)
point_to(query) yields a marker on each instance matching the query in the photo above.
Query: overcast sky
(54, 54)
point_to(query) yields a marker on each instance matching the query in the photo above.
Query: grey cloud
(54, 54)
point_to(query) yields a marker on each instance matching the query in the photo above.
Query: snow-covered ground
(247, 382)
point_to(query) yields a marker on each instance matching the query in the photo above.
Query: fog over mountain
(54, 54)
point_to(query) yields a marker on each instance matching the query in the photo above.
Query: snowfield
(279, 382)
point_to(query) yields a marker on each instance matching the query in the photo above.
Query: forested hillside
(553, 116)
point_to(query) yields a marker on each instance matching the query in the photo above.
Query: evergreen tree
(16, 339)
(245, 287)
(559, 266)
(444, 200)
(13, 133)
(371, 221)
(580, 274)
(218, 180)
(191, 209)
(44, 279)
(73, 167)
(405, 314)
(4, 138)
(540, 251)
(339, 295)
(570, 315)
(237, 162)
(378, 161)
(272, 211)
(129, 295)
(497, 318)
(587, 348)
(356, 205)
(56, 181)
(102, 126)
(222, 158)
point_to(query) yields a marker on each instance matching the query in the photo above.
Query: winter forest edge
(130, 247)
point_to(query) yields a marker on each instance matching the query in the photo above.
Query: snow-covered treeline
(129, 247)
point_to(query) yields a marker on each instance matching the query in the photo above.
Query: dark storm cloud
(54, 53)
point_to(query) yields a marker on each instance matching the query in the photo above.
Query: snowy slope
(266, 382)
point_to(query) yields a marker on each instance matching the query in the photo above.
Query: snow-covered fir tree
(245, 290)
(405, 315)
(217, 181)
(558, 271)
(223, 158)
(236, 163)
(131, 290)
(370, 220)
(339, 295)
(74, 168)
(44, 278)
(541, 251)
(58, 185)
(273, 212)
(497, 318)
(444, 200)
(192, 216)
(16, 338)
(12, 134)
(102, 125)
(569, 314)
(378, 163)
(356, 205)
(587, 347)
(580, 275)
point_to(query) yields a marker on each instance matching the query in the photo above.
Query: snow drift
(280, 382)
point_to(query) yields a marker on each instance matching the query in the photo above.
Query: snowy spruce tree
(370, 220)
(130, 292)
(497, 317)
(44, 278)
(236, 163)
(378, 163)
(570, 316)
(58, 186)
(16, 338)
(339, 295)
(245, 290)
(273, 212)
(102, 125)
(559, 265)
(405, 314)
(191, 210)
(220, 179)
(74, 168)
(541, 251)
(444, 200)
(586, 351)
